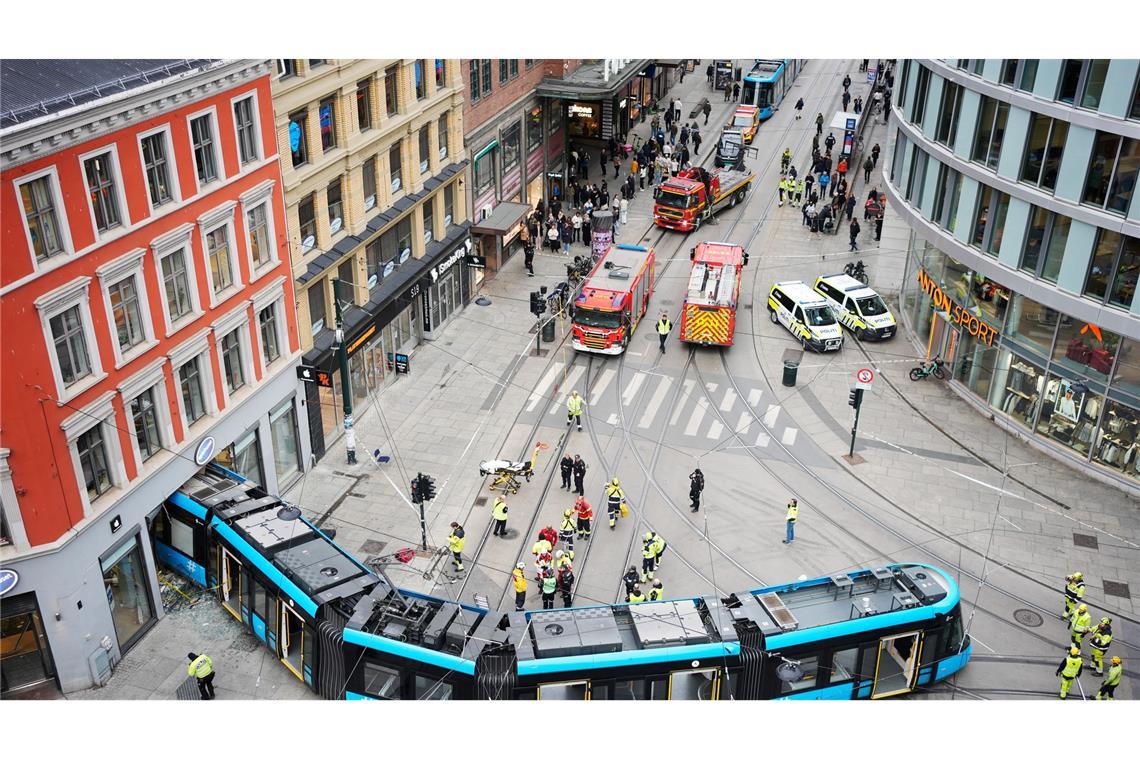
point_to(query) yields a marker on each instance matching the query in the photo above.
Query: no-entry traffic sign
(864, 377)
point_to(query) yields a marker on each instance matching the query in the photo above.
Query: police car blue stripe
(410, 651)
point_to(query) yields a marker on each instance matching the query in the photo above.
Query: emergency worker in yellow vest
(1101, 638)
(1069, 669)
(202, 668)
(1074, 593)
(790, 520)
(574, 410)
(455, 543)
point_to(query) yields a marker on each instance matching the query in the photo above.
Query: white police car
(806, 315)
(860, 309)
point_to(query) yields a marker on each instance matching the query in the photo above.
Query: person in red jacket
(842, 168)
(585, 517)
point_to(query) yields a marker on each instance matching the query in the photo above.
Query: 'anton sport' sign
(959, 314)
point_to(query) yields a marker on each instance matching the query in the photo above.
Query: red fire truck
(695, 194)
(613, 299)
(708, 314)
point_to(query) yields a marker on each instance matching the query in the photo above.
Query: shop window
(991, 131)
(307, 221)
(1126, 368)
(555, 125)
(1018, 387)
(125, 578)
(396, 166)
(974, 363)
(1045, 243)
(442, 135)
(391, 90)
(419, 71)
(327, 114)
(921, 85)
(334, 196)
(512, 149)
(534, 128)
(1069, 413)
(809, 670)
(364, 104)
(948, 114)
(283, 430)
(299, 138)
(1085, 349)
(486, 76)
(1027, 76)
(425, 148)
(440, 73)
(1031, 325)
(1043, 151)
(317, 307)
(473, 77)
(368, 177)
(1118, 440)
(1092, 85)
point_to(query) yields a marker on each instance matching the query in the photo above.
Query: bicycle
(932, 367)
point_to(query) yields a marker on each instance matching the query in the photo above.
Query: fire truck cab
(613, 299)
(683, 201)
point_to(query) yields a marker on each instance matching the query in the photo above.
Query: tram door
(229, 573)
(897, 664)
(292, 639)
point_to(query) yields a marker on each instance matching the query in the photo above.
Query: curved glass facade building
(1017, 179)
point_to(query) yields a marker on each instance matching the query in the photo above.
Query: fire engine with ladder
(708, 314)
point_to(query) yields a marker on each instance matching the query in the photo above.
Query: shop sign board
(403, 364)
(958, 314)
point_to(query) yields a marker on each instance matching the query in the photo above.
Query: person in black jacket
(696, 486)
(579, 469)
(567, 467)
(854, 230)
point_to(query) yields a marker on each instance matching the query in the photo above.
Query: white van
(860, 309)
(806, 314)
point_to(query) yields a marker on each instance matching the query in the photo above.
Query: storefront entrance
(128, 592)
(25, 658)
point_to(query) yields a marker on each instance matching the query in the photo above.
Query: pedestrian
(635, 595)
(709, 73)
(617, 165)
(584, 165)
(829, 142)
(800, 185)
(1080, 623)
(841, 168)
(567, 235)
(850, 206)
(574, 410)
(586, 212)
(542, 557)
(735, 91)
(566, 466)
(879, 226)
(549, 585)
(202, 668)
(642, 170)
(780, 187)
(864, 64)
(1074, 593)
(499, 516)
(455, 543)
(886, 106)
(790, 520)
(519, 577)
(1101, 638)
(615, 497)
(696, 135)
(811, 215)
(1111, 681)
(552, 237)
(696, 487)
(659, 547)
(576, 222)
(875, 154)
(815, 147)
(585, 517)
(846, 99)
(1069, 669)
(528, 257)
(567, 528)
(707, 110)
(809, 180)
(623, 210)
(727, 92)
(566, 585)
(677, 109)
(859, 105)
(853, 229)
(846, 83)
(819, 124)
(807, 212)
(683, 137)
(647, 561)
(824, 181)
(673, 132)
(651, 170)
(799, 108)
(868, 167)
(663, 328)
(657, 593)
(630, 579)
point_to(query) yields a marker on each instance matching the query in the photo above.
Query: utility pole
(345, 383)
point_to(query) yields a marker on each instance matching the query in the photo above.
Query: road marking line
(655, 402)
(754, 396)
(1011, 522)
(771, 414)
(564, 389)
(712, 387)
(697, 417)
(715, 429)
(728, 401)
(979, 641)
(762, 439)
(743, 424)
(688, 389)
(631, 388)
(612, 420)
(607, 377)
(789, 436)
(540, 389)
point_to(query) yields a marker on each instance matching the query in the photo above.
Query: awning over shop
(505, 216)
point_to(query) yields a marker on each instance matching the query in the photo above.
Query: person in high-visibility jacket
(1069, 669)
(455, 543)
(574, 410)
(800, 184)
(790, 520)
(549, 586)
(585, 517)
(499, 515)
(657, 593)
(658, 550)
(636, 595)
(614, 498)
(1101, 638)
(561, 560)
(202, 668)
(566, 531)
(1081, 624)
(542, 555)
(1111, 681)
(648, 558)
(1074, 593)
(519, 576)
(663, 328)
(780, 188)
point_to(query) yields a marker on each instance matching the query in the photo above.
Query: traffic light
(427, 487)
(537, 304)
(855, 397)
(417, 498)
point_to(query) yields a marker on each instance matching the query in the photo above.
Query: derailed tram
(343, 629)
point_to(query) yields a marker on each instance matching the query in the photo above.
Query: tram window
(693, 685)
(930, 647)
(843, 664)
(432, 688)
(570, 691)
(809, 667)
(259, 599)
(627, 690)
(381, 681)
(658, 689)
(954, 636)
(870, 657)
(526, 695)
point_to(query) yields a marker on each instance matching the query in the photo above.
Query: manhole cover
(1085, 540)
(480, 501)
(1116, 588)
(372, 546)
(1028, 618)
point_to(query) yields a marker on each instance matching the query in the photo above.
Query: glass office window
(1070, 78)
(1093, 85)
(1125, 276)
(1043, 151)
(1103, 259)
(1126, 369)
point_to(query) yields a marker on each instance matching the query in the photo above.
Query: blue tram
(348, 634)
(767, 83)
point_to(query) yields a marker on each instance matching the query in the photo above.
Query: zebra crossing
(698, 419)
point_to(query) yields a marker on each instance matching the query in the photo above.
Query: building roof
(588, 81)
(31, 88)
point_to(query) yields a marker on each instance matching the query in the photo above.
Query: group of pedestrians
(1080, 625)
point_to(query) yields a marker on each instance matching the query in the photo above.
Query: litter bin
(791, 367)
(548, 331)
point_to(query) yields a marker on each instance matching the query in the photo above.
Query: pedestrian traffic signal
(427, 488)
(417, 497)
(537, 303)
(855, 397)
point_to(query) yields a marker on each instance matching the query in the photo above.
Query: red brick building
(146, 303)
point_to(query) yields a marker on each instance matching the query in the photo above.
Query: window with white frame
(157, 168)
(267, 325)
(441, 136)
(257, 222)
(245, 123)
(191, 390)
(260, 240)
(334, 196)
(368, 178)
(44, 219)
(218, 252)
(216, 227)
(144, 415)
(70, 340)
(65, 315)
(91, 451)
(233, 371)
(126, 313)
(202, 140)
(93, 443)
(99, 171)
(176, 285)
